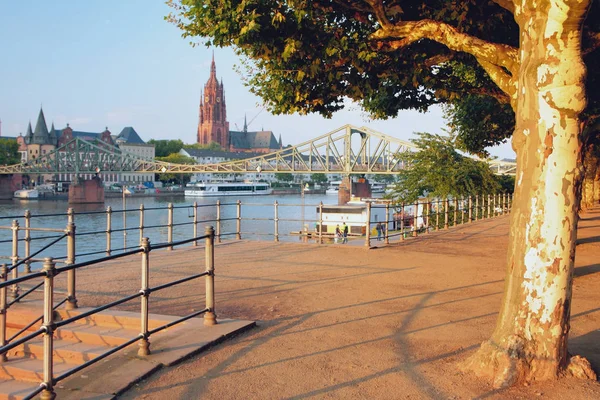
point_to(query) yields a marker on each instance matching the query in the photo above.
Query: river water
(294, 211)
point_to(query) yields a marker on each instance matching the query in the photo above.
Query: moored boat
(26, 194)
(201, 189)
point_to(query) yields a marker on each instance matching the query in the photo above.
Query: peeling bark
(530, 339)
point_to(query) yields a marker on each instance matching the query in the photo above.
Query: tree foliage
(439, 171)
(214, 146)
(163, 148)
(175, 158)
(9, 152)
(284, 177)
(318, 178)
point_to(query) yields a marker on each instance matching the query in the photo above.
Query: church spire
(245, 124)
(40, 134)
(213, 66)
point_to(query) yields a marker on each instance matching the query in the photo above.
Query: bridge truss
(346, 150)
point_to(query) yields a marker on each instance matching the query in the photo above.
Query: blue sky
(117, 63)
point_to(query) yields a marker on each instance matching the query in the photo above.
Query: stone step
(21, 314)
(96, 335)
(11, 389)
(116, 318)
(30, 369)
(64, 350)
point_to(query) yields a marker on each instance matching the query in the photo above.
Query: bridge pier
(86, 191)
(8, 185)
(361, 189)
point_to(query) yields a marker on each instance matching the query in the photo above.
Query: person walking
(379, 228)
(345, 230)
(338, 233)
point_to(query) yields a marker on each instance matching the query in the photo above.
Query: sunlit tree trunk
(530, 339)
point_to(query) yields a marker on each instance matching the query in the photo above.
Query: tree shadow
(591, 239)
(586, 270)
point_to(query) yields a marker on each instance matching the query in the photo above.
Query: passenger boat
(334, 187)
(201, 189)
(377, 187)
(26, 194)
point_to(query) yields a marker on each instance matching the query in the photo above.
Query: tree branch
(504, 81)
(402, 34)
(378, 8)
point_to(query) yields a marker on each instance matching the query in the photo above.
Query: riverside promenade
(343, 321)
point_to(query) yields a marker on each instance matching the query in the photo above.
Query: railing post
(108, 230)
(488, 206)
(15, 257)
(218, 234)
(402, 222)
(426, 213)
(455, 211)
(321, 224)
(239, 220)
(27, 241)
(470, 205)
(414, 232)
(368, 223)
(437, 215)
(48, 325)
(476, 207)
(446, 213)
(170, 226)
(195, 206)
(3, 310)
(210, 316)
(144, 345)
(386, 236)
(462, 210)
(141, 222)
(504, 203)
(276, 221)
(71, 279)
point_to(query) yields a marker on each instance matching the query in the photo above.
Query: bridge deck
(346, 322)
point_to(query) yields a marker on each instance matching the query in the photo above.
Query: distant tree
(214, 146)
(176, 158)
(163, 148)
(438, 170)
(318, 178)
(384, 178)
(284, 177)
(9, 152)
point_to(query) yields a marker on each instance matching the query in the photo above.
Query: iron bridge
(346, 150)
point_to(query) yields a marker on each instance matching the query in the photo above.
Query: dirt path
(346, 322)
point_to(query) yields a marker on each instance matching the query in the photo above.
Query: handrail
(24, 260)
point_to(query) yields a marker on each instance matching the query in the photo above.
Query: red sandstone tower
(213, 125)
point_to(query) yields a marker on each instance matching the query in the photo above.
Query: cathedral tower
(213, 125)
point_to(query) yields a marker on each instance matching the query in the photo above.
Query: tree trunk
(530, 339)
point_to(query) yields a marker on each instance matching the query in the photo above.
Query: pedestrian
(338, 233)
(345, 230)
(379, 228)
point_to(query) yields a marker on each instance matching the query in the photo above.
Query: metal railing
(427, 215)
(49, 325)
(237, 220)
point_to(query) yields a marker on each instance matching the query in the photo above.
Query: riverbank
(391, 322)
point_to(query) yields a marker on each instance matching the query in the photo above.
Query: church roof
(253, 140)
(215, 153)
(129, 135)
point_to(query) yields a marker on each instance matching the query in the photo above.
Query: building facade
(41, 141)
(213, 126)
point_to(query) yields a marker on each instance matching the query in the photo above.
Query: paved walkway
(348, 322)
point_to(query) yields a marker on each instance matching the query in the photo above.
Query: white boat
(334, 187)
(377, 187)
(227, 189)
(26, 194)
